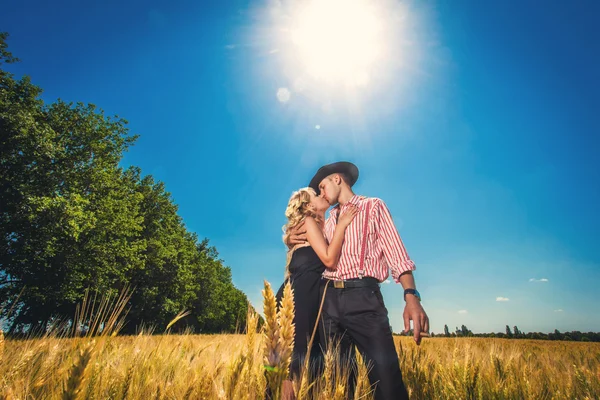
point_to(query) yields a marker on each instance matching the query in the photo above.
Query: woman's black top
(306, 270)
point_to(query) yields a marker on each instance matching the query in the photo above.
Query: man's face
(318, 203)
(329, 190)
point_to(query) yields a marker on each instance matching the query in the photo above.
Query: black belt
(354, 283)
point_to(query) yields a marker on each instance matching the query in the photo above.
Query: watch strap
(413, 292)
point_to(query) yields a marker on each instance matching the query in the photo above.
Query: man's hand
(414, 311)
(297, 235)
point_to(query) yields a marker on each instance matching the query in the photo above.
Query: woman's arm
(329, 254)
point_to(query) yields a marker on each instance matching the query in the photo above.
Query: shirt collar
(353, 200)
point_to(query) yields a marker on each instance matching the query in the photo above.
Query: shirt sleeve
(329, 228)
(395, 255)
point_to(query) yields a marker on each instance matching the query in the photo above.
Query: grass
(228, 366)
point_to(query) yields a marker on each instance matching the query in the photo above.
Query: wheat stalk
(271, 330)
(235, 370)
(279, 337)
(327, 387)
(127, 382)
(272, 352)
(158, 393)
(1, 345)
(8, 394)
(253, 389)
(179, 316)
(91, 394)
(340, 392)
(189, 391)
(78, 373)
(286, 329)
(21, 364)
(41, 378)
(363, 388)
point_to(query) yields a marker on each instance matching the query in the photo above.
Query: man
(353, 311)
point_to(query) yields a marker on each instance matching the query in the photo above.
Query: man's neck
(345, 196)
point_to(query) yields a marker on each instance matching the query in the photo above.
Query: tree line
(71, 219)
(516, 333)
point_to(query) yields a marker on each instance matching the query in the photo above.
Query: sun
(337, 41)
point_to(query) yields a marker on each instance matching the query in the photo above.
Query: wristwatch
(413, 292)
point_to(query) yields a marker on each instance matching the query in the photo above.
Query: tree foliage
(72, 218)
(518, 334)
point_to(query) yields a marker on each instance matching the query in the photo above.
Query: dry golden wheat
(233, 366)
(363, 388)
(327, 388)
(78, 374)
(279, 338)
(198, 366)
(1, 344)
(285, 316)
(272, 353)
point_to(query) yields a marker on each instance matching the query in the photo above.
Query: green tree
(71, 218)
(64, 217)
(557, 335)
(516, 332)
(464, 331)
(6, 56)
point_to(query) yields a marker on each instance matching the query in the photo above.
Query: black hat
(343, 167)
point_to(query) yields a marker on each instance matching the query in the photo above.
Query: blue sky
(479, 130)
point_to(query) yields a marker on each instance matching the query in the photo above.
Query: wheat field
(243, 366)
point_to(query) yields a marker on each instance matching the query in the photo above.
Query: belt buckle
(338, 284)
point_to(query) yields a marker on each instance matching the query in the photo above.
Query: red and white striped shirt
(384, 249)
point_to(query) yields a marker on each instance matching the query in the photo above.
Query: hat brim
(341, 167)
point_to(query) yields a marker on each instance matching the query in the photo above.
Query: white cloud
(462, 311)
(230, 46)
(387, 281)
(501, 298)
(538, 280)
(559, 310)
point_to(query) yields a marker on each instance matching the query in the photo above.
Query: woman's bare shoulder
(311, 223)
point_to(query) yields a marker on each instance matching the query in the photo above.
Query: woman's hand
(297, 236)
(348, 215)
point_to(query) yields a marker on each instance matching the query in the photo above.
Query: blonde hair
(297, 210)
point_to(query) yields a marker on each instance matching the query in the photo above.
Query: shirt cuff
(403, 266)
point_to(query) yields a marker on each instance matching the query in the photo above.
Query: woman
(305, 265)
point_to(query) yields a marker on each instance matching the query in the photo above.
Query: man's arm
(413, 309)
(394, 253)
(396, 257)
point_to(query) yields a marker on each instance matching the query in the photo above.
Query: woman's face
(318, 203)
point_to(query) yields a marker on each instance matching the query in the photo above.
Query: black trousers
(358, 316)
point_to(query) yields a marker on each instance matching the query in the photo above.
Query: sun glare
(330, 63)
(337, 40)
